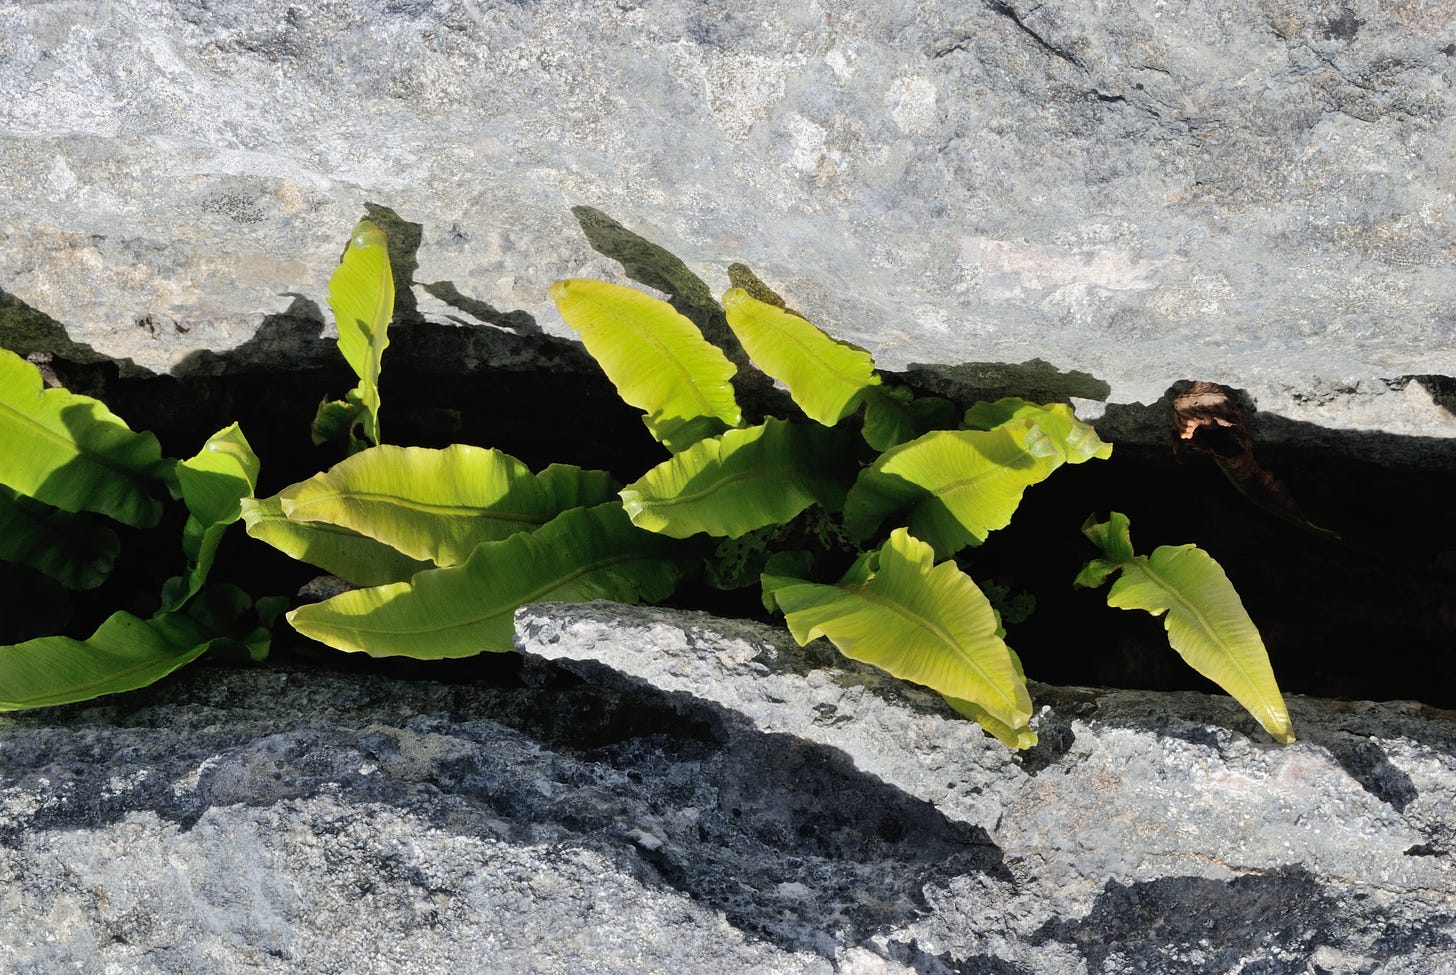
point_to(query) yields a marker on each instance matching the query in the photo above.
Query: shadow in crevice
(1035, 380)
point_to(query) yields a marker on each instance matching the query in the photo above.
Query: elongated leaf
(125, 653)
(825, 377)
(72, 453)
(73, 549)
(437, 505)
(921, 622)
(1075, 440)
(1205, 619)
(743, 480)
(657, 359)
(213, 484)
(956, 486)
(361, 292)
(583, 554)
(353, 557)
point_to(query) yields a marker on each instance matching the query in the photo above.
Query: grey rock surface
(1257, 194)
(712, 799)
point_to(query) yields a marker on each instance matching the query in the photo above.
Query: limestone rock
(712, 799)
(1250, 193)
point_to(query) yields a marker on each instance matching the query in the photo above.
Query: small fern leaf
(745, 479)
(825, 377)
(1204, 617)
(921, 622)
(956, 485)
(361, 293)
(657, 359)
(1076, 440)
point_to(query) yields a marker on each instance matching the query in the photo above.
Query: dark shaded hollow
(1371, 619)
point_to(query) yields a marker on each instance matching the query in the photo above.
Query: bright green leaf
(741, 481)
(213, 484)
(1011, 737)
(1205, 619)
(956, 485)
(657, 359)
(921, 622)
(73, 549)
(72, 453)
(825, 377)
(125, 653)
(353, 557)
(1075, 440)
(437, 505)
(361, 292)
(583, 554)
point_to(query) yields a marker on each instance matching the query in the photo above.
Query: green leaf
(657, 359)
(956, 485)
(893, 415)
(825, 377)
(72, 453)
(361, 292)
(125, 653)
(1205, 619)
(1075, 440)
(213, 484)
(337, 422)
(437, 505)
(921, 622)
(1011, 737)
(353, 557)
(71, 548)
(741, 481)
(583, 554)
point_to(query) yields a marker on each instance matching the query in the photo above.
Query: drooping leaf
(1011, 737)
(921, 622)
(1076, 440)
(343, 552)
(825, 377)
(657, 359)
(126, 652)
(72, 548)
(361, 293)
(741, 481)
(72, 453)
(437, 505)
(1205, 619)
(213, 484)
(581, 555)
(956, 486)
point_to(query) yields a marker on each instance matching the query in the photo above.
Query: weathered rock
(713, 799)
(1255, 194)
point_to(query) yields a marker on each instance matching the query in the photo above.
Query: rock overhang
(1262, 201)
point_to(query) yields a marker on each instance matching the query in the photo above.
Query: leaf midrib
(533, 596)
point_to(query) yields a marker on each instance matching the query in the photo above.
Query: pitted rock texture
(712, 799)
(1255, 194)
